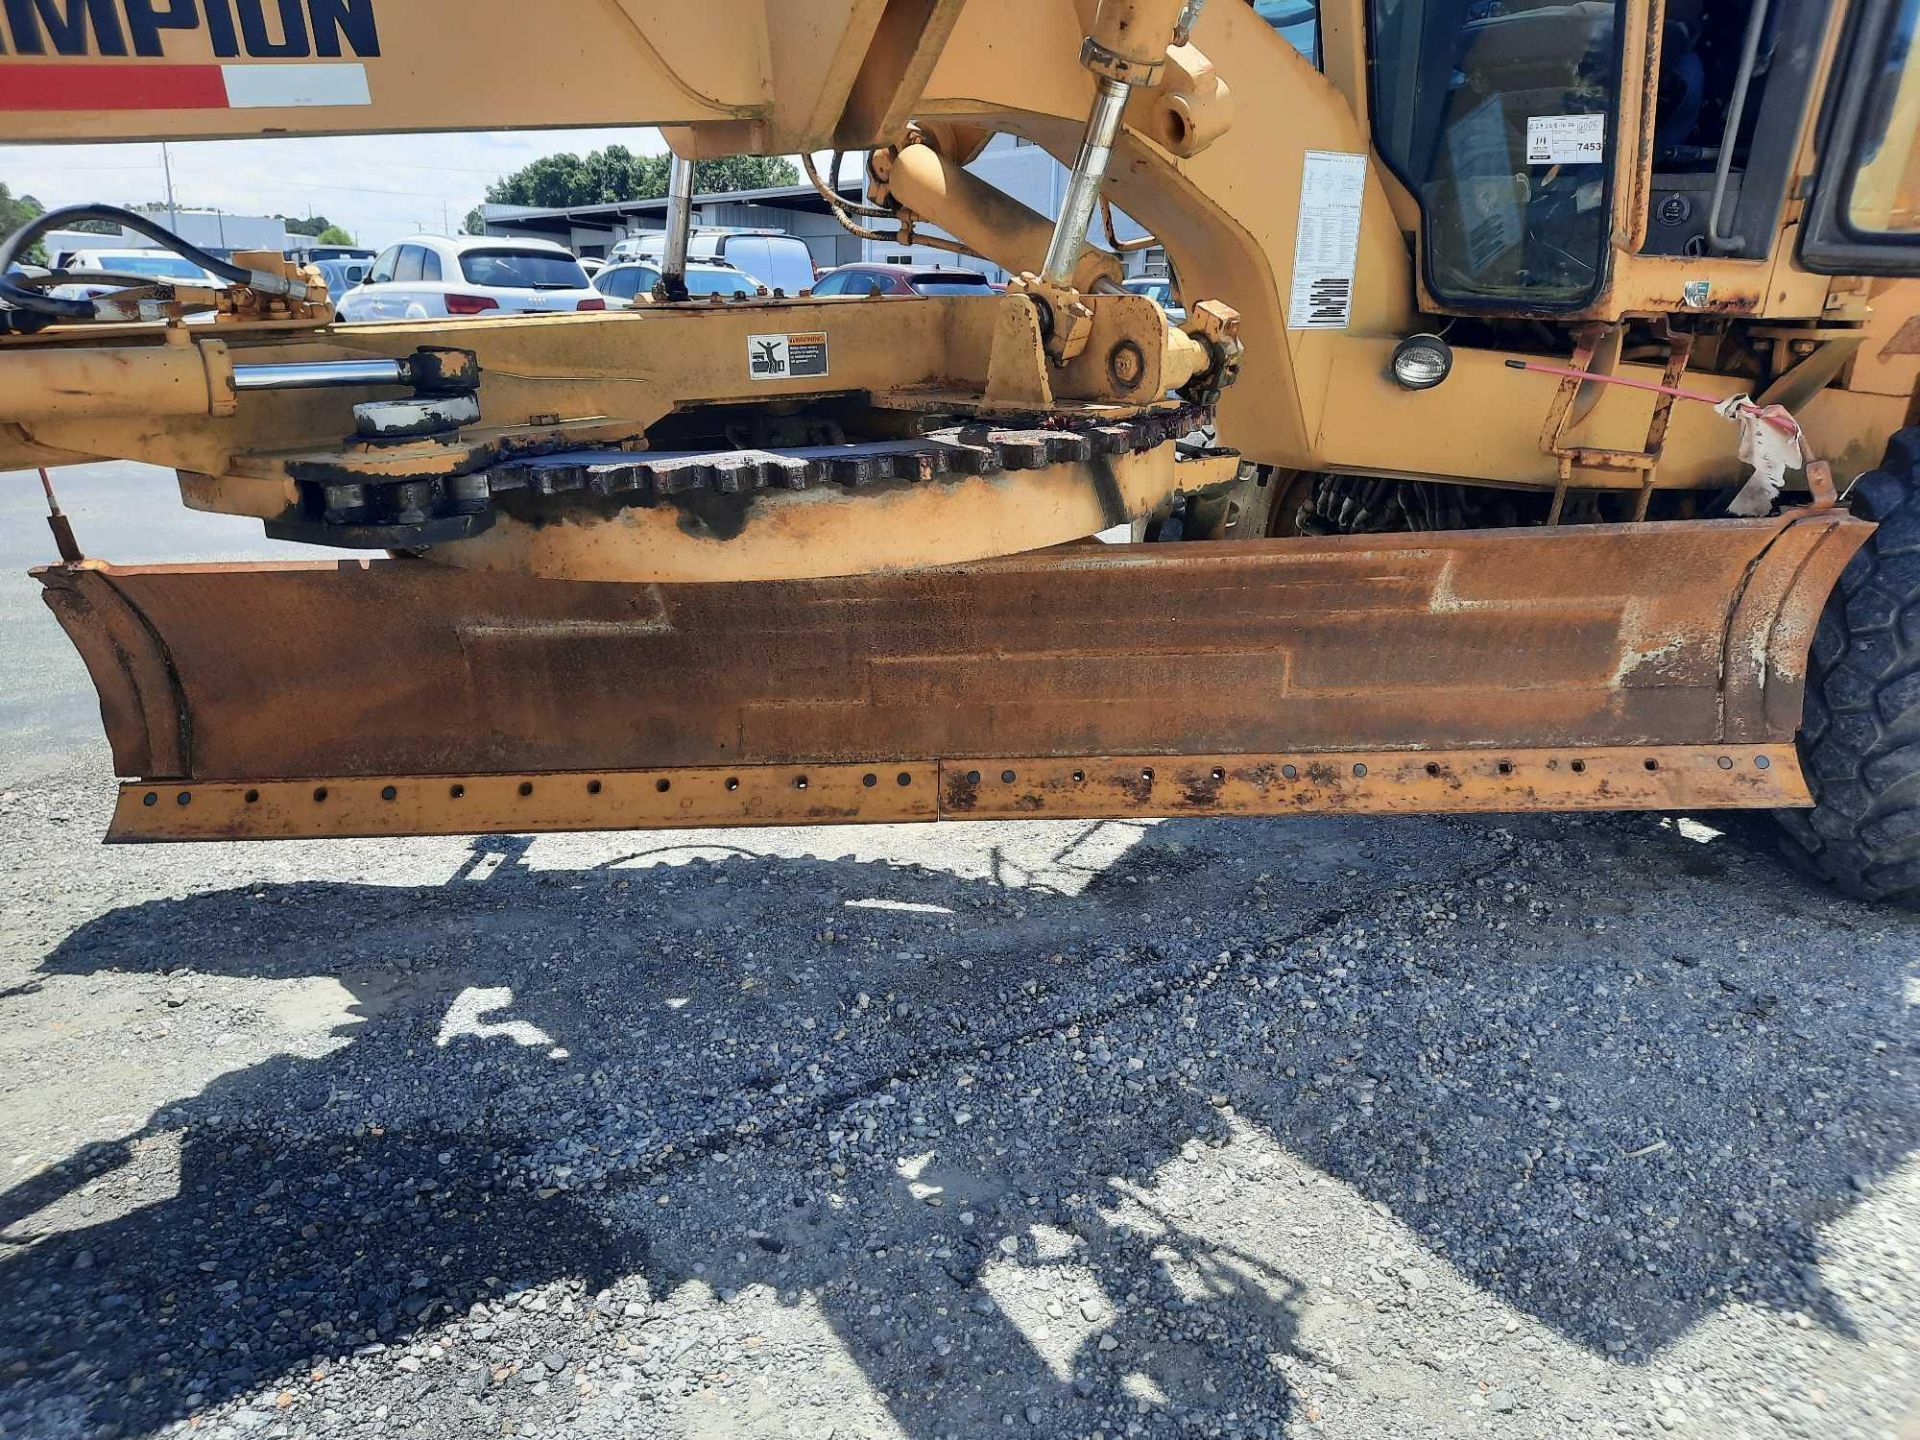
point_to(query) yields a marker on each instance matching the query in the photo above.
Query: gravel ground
(1519, 1127)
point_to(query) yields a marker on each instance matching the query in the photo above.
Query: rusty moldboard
(1690, 634)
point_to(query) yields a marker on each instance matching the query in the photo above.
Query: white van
(776, 259)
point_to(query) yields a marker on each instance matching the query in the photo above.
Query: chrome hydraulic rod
(1125, 48)
(673, 254)
(1083, 184)
(322, 375)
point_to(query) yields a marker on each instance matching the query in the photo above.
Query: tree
(743, 172)
(599, 178)
(313, 226)
(19, 210)
(476, 223)
(606, 177)
(334, 235)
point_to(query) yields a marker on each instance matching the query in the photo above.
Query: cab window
(1297, 21)
(1499, 116)
(410, 262)
(1883, 191)
(382, 271)
(1735, 80)
(1865, 215)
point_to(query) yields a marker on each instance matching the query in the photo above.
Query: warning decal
(788, 357)
(1332, 186)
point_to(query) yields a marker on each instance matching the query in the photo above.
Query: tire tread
(1860, 740)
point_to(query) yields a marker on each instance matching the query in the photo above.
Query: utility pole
(173, 211)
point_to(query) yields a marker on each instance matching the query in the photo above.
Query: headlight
(1421, 362)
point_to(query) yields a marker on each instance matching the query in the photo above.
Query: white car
(431, 276)
(133, 264)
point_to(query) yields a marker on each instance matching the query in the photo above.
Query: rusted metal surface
(1820, 486)
(141, 703)
(1596, 636)
(1136, 787)
(1770, 630)
(342, 807)
(1634, 778)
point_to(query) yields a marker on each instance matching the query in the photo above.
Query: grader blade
(1588, 667)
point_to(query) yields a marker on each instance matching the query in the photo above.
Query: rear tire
(1860, 733)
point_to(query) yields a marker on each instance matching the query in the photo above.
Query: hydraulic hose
(16, 244)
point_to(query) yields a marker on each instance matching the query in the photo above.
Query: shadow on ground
(538, 1056)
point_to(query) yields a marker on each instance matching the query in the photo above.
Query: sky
(382, 188)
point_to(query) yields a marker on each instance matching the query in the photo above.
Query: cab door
(1865, 214)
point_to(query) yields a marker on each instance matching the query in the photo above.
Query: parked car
(312, 254)
(776, 259)
(592, 265)
(430, 276)
(342, 275)
(630, 281)
(879, 279)
(134, 264)
(1159, 289)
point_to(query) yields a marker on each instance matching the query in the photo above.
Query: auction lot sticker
(1566, 139)
(788, 357)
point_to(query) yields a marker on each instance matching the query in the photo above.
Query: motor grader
(1520, 448)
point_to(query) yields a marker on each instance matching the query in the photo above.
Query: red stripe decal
(112, 87)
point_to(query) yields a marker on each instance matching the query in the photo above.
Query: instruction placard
(788, 357)
(1566, 139)
(1484, 171)
(1333, 185)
